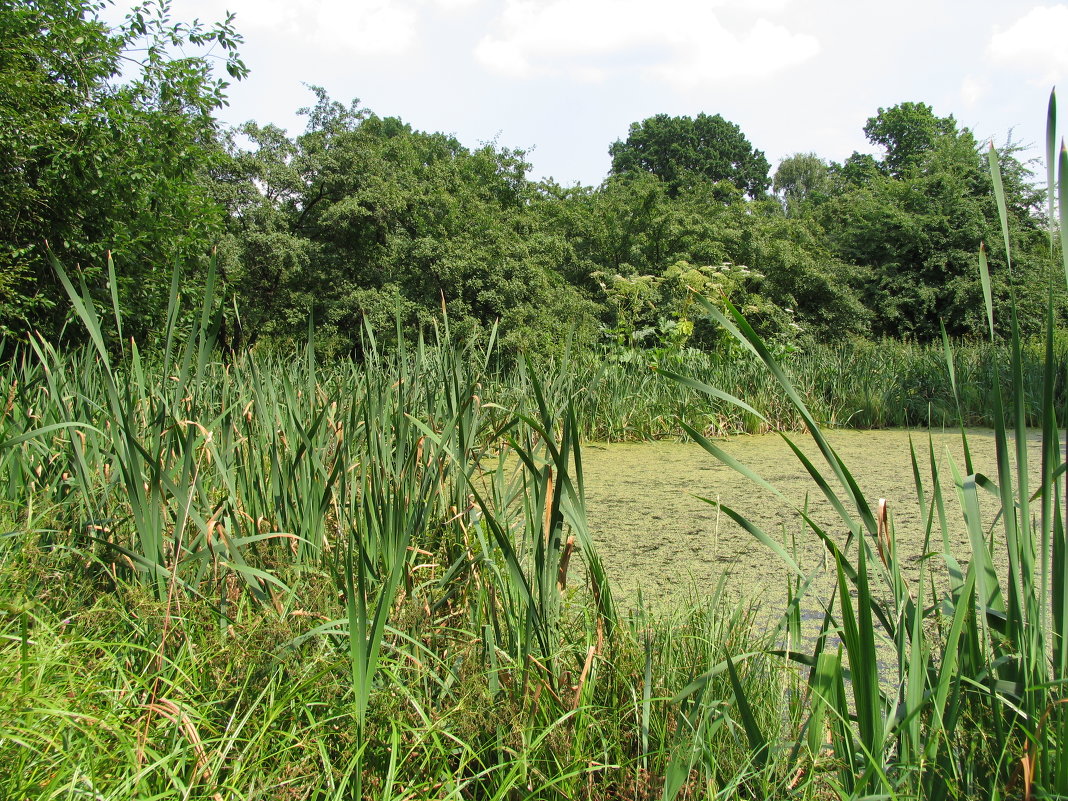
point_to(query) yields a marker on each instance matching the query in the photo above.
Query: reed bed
(267, 577)
(852, 384)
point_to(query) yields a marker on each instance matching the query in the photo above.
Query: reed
(273, 577)
(916, 692)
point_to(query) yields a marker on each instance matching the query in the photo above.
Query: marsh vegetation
(399, 577)
(328, 515)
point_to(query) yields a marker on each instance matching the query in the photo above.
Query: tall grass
(269, 577)
(919, 693)
(851, 384)
(278, 578)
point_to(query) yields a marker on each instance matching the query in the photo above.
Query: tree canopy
(361, 217)
(916, 219)
(106, 142)
(909, 132)
(684, 150)
(802, 178)
(109, 141)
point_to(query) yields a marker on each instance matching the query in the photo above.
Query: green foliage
(909, 132)
(108, 136)
(361, 217)
(801, 180)
(234, 539)
(361, 220)
(683, 150)
(392, 534)
(631, 227)
(803, 276)
(916, 219)
(665, 307)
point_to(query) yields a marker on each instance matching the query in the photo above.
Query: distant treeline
(361, 218)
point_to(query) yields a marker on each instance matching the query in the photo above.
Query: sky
(563, 79)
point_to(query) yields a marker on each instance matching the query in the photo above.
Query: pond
(655, 533)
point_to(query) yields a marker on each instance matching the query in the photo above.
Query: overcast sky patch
(532, 38)
(972, 90)
(720, 55)
(1037, 42)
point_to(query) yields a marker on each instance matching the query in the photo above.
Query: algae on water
(653, 530)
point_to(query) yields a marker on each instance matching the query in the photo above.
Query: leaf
(758, 744)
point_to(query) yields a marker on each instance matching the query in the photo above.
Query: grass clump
(131, 697)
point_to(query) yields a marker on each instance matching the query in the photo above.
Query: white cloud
(681, 42)
(721, 55)
(455, 5)
(364, 27)
(503, 57)
(1035, 42)
(369, 27)
(972, 90)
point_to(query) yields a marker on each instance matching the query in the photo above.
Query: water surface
(654, 532)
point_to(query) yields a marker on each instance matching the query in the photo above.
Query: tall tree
(909, 132)
(916, 218)
(106, 137)
(802, 177)
(682, 150)
(362, 216)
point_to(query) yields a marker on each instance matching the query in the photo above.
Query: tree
(682, 150)
(909, 132)
(802, 177)
(917, 217)
(106, 141)
(361, 217)
(626, 240)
